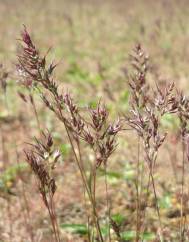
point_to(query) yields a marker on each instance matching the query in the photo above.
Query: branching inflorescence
(91, 127)
(148, 107)
(42, 159)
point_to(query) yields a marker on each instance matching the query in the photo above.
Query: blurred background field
(91, 41)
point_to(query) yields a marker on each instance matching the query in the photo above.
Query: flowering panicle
(96, 131)
(90, 126)
(183, 112)
(137, 83)
(42, 159)
(29, 60)
(101, 135)
(32, 66)
(98, 117)
(165, 100)
(147, 111)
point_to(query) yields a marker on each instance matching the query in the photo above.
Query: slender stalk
(83, 175)
(173, 160)
(35, 111)
(182, 192)
(54, 218)
(157, 206)
(151, 165)
(28, 217)
(52, 222)
(84, 193)
(138, 192)
(5, 162)
(107, 204)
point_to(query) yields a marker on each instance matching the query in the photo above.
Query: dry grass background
(92, 40)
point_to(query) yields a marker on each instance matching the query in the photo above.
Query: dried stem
(138, 192)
